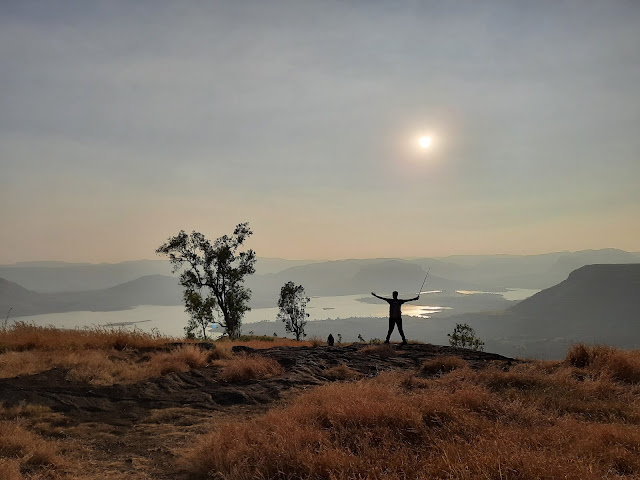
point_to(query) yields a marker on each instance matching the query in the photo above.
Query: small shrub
(442, 364)
(464, 336)
(241, 368)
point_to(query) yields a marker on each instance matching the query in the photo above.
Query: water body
(171, 320)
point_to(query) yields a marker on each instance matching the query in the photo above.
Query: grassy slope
(575, 419)
(540, 420)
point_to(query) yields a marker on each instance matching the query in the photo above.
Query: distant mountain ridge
(481, 272)
(148, 290)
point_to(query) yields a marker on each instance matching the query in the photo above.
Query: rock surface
(125, 405)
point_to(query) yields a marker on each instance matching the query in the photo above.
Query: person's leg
(392, 324)
(399, 322)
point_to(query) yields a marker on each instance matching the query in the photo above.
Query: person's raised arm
(410, 299)
(378, 296)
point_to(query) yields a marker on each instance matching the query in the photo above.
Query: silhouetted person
(330, 340)
(395, 314)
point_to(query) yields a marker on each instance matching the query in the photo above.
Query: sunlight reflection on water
(171, 320)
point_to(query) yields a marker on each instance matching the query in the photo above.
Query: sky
(122, 123)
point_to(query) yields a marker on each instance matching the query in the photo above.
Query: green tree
(464, 336)
(212, 278)
(293, 304)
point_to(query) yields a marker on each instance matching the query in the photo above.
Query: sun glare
(424, 142)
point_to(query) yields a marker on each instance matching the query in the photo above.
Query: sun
(424, 142)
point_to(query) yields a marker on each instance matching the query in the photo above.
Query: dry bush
(179, 360)
(442, 364)
(603, 361)
(241, 368)
(540, 420)
(316, 341)
(341, 372)
(221, 352)
(578, 355)
(384, 350)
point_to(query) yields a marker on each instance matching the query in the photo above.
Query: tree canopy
(293, 304)
(213, 277)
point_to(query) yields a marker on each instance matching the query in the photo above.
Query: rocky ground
(134, 430)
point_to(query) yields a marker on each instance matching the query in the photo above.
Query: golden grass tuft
(316, 341)
(384, 350)
(442, 364)
(242, 368)
(341, 372)
(22, 451)
(597, 360)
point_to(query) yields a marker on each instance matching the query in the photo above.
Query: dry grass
(24, 454)
(107, 356)
(442, 364)
(316, 341)
(22, 336)
(598, 360)
(241, 368)
(341, 372)
(384, 350)
(541, 420)
(103, 367)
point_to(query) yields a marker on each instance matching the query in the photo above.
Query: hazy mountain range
(46, 287)
(595, 304)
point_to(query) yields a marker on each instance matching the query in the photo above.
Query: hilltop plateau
(107, 404)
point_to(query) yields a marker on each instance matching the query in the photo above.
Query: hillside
(597, 301)
(594, 304)
(149, 290)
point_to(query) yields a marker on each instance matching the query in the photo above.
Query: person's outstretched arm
(410, 299)
(378, 296)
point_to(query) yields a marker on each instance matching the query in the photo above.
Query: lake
(171, 320)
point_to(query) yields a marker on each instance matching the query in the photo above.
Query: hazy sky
(123, 122)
